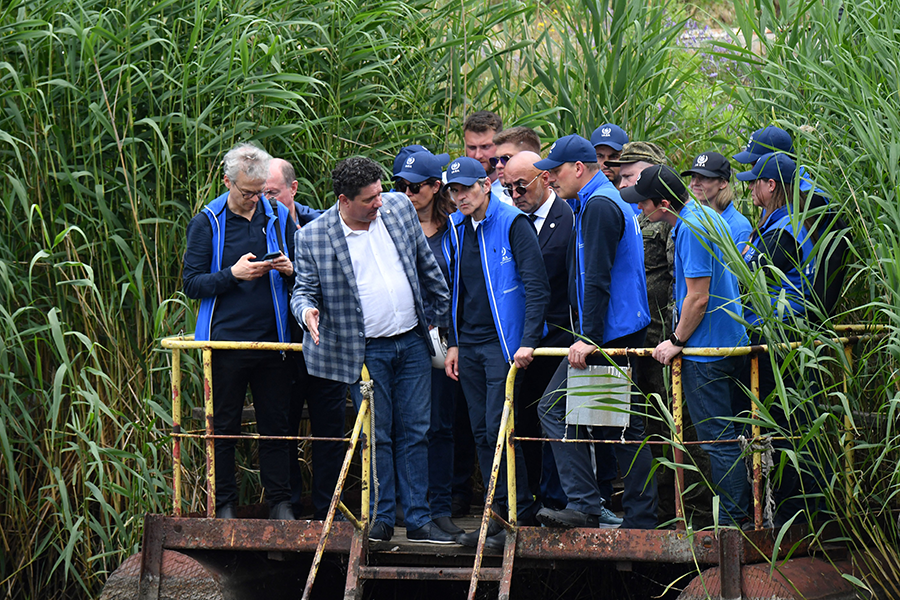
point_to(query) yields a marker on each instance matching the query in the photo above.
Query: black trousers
(326, 401)
(269, 376)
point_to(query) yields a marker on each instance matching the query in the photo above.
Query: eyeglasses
(249, 195)
(499, 159)
(402, 185)
(520, 189)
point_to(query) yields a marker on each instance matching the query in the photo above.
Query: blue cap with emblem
(571, 148)
(421, 166)
(609, 135)
(465, 171)
(406, 151)
(765, 141)
(774, 165)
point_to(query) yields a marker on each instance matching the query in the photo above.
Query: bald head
(521, 173)
(282, 183)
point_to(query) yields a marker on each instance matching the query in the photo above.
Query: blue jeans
(482, 373)
(400, 368)
(710, 389)
(444, 394)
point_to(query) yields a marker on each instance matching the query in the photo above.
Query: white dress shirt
(385, 295)
(540, 215)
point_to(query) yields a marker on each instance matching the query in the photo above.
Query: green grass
(114, 116)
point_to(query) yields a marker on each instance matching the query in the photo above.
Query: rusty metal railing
(362, 428)
(506, 438)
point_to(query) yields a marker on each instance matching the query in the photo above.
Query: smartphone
(269, 256)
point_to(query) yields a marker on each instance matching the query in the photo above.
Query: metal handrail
(506, 438)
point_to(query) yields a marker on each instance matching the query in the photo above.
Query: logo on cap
(410, 161)
(553, 146)
(454, 168)
(701, 160)
(750, 141)
(638, 178)
(605, 131)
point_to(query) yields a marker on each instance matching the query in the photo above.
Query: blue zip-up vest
(215, 211)
(628, 310)
(505, 289)
(798, 289)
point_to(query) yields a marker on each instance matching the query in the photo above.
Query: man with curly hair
(362, 271)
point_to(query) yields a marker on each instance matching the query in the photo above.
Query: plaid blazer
(325, 280)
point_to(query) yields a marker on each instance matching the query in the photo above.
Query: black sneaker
(430, 533)
(567, 518)
(380, 532)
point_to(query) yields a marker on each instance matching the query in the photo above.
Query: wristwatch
(675, 341)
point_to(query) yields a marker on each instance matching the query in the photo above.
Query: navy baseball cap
(465, 171)
(405, 152)
(765, 141)
(421, 166)
(658, 181)
(710, 164)
(571, 148)
(609, 135)
(774, 165)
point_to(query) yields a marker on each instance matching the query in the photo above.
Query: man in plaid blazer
(362, 269)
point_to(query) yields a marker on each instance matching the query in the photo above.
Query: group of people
(498, 252)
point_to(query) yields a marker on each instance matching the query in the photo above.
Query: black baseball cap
(710, 164)
(658, 181)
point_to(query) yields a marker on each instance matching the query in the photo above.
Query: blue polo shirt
(739, 225)
(697, 256)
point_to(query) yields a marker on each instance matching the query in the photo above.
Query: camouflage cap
(633, 152)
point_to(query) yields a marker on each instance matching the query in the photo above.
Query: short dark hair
(483, 120)
(677, 201)
(525, 138)
(353, 174)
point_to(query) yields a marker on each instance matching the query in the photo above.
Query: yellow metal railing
(505, 439)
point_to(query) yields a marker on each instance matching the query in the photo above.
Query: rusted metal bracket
(730, 560)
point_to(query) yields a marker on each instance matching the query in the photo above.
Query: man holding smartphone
(238, 262)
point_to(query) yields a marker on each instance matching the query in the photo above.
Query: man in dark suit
(529, 188)
(362, 270)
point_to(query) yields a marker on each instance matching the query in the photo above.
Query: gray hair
(247, 159)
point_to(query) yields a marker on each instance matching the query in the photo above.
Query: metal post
(492, 483)
(848, 430)
(210, 442)
(757, 459)
(336, 498)
(730, 563)
(176, 429)
(677, 452)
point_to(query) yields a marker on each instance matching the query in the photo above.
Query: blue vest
(215, 211)
(628, 310)
(798, 281)
(505, 289)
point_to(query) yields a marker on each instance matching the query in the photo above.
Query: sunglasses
(499, 159)
(520, 189)
(401, 185)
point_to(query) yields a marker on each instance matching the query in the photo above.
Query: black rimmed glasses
(519, 188)
(249, 195)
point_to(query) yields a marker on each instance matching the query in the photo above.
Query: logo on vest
(505, 256)
(454, 168)
(701, 160)
(606, 131)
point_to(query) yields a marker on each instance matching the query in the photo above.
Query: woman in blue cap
(418, 175)
(711, 185)
(784, 243)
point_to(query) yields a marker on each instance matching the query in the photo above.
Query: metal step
(428, 573)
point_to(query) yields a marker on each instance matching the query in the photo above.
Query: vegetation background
(114, 115)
